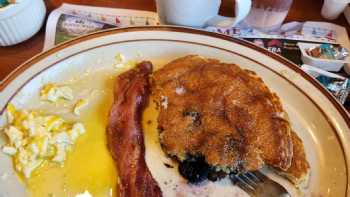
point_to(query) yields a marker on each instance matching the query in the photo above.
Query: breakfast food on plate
(81, 103)
(214, 119)
(53, 92)
(226, 116)
(125, 136)
(34, 138)
(298, 173)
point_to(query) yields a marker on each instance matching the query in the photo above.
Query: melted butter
(150, 125)
(89, 166)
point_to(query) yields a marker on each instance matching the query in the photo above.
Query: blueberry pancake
(223, 115)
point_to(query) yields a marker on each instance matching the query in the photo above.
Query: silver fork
(257, 184)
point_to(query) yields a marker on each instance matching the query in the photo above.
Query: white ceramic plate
(321, 122)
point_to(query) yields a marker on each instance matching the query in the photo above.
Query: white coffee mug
(200, 13)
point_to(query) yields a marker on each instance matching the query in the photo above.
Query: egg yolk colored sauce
(89, 167)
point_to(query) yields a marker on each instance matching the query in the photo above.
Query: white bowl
(20, 21)
(325, 64)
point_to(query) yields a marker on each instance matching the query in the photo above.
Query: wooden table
(11, 57)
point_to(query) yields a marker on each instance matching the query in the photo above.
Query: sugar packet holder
(333, 65)
(338, 85)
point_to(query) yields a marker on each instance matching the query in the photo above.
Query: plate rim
(28, 63)
(339, 108)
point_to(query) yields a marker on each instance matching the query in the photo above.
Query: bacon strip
(125, 136)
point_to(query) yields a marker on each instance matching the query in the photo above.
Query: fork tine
(257, 184)
(253, 176)
(248, 180)
(259, 175)
(245, 186)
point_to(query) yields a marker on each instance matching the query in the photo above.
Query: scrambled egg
(81, 103)
(34, 138)
(52, 92)
(85, 194)
(121, 62)
(119, 58)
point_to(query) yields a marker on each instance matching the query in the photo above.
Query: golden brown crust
(222, 112)
(299, 171)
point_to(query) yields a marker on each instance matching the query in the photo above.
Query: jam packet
(328, 51)
(4, 3)
(339, 86)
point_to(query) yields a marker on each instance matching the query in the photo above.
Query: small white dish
(20, 21)
(325, 64)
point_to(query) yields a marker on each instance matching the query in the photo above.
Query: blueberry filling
(196, 170)
(216, 175)
(233, 177)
